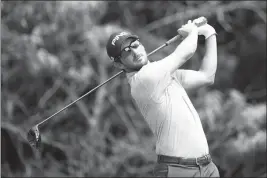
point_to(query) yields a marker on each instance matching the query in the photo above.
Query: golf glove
(206, 30)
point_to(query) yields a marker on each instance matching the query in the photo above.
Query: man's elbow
(210, 80)
(207, 79)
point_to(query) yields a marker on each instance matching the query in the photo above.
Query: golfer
(160, 92)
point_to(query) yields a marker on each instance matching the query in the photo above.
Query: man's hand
(187, 29)
(206, 30)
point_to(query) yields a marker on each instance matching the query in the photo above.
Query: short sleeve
(179, 75)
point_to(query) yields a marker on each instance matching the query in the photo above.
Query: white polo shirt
(169, 112)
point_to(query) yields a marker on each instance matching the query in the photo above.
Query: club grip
(203, 22)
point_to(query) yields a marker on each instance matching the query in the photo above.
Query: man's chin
(138, 67)
(143, 61)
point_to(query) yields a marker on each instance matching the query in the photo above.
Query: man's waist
(192, 161)
(190, 147)
(183, 153)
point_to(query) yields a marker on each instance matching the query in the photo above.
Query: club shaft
(114, 76)
(81, 97)
(165, 44)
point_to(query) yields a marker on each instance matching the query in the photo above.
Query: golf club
(34, 136)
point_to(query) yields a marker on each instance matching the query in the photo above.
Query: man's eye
(127, 49)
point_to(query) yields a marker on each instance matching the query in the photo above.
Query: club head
(34, 137)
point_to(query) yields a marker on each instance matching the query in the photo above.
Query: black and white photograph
(133, 88)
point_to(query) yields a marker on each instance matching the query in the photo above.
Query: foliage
(53, 52)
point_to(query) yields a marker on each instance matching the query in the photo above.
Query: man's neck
(131, 70)
(135, 70)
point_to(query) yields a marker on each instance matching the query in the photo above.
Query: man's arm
(157, 76)
(191, 79)
(184, 51)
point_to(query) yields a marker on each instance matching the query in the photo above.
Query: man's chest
(173, 96)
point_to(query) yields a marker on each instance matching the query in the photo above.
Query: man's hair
(115, 42)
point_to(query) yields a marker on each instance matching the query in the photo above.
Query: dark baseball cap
(115, 42)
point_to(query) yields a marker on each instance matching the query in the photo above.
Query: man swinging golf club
(159, 90)
(34, 135)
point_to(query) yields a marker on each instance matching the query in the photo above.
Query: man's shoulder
(135, 79)
(142, 72)
(147, 73)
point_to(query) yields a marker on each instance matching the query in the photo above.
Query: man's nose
(135, 50)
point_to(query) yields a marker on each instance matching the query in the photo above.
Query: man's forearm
(209, 63)
(188, 46)
(184, 51)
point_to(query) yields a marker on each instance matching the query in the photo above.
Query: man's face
(133, 54)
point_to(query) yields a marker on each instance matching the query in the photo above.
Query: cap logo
(117, 37)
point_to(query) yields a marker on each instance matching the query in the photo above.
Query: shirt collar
(130, 75)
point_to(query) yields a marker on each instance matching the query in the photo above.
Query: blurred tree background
(52, 52)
